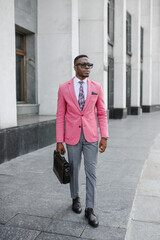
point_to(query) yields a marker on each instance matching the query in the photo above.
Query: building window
(128, 89)
(21, 66)
(110, 83)
(111, 21)
(141, 88)
(128, 34)
(142, 34)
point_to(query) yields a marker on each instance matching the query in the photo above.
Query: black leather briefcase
(61, 168)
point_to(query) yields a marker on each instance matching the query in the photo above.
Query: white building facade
(40, 39)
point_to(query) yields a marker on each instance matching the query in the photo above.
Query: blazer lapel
(88, 94)
(72, 93)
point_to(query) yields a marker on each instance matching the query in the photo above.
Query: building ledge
(32, 133)
(26, 119)
(27, 109)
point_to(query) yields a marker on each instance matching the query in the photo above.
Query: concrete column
(146, 22)
(155, 53)
(54, 50)
(93, 38)
(75, 33)
(8, 112)
(120, 60)
(134, 8)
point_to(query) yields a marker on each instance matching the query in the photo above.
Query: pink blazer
(70, 118)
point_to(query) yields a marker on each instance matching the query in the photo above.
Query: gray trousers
(90, 152)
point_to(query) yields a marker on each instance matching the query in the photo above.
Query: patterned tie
(81, 99)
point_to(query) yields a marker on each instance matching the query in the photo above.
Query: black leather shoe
(92, 218)
(76, 205)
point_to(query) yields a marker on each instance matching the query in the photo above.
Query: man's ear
(75, 68)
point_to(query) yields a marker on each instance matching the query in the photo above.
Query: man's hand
(60, 148)
(102, 145)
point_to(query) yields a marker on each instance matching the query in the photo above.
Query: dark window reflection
(20, 67)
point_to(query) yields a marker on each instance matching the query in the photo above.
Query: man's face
(82, 71)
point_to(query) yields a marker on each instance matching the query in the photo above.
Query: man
(77, 100)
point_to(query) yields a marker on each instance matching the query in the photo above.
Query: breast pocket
(94, 98)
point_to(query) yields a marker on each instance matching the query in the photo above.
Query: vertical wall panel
(8, 113)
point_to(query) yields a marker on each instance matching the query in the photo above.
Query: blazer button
(79, 126)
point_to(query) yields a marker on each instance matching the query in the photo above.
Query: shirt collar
(78, 80)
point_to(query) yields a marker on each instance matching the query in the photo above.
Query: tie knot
(81, 82)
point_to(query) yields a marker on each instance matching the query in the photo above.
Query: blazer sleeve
(102, 114)
(60, 121)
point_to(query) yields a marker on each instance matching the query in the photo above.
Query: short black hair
(79, 56)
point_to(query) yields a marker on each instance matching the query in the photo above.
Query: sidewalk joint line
(143, 221)
(37, 235)
(148, 196)
(83, 230)
(11, 218)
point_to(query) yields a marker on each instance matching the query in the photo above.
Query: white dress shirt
(77, 86)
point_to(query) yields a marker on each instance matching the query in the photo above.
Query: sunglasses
(84, 65)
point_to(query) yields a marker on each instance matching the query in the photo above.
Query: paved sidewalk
(144, 222)
(34, 205)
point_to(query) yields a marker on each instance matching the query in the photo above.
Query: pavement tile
(37, 182)
(51, 236)
(154, 156)
(116, 176)
(29, 222)
(156, 145)
(124, 153)
(130, 142)
(152, 171)
(9, 168)
(5, 178)
(68, 215)
(6, 190)
(32, 203)
(113, 218)
(104, 233)
(28, 163)
(6, 185)
(12, 233)
(5, 213)
(149, 187)
(143, 231)
(66, 227)
(146, 209)
(113, 207)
